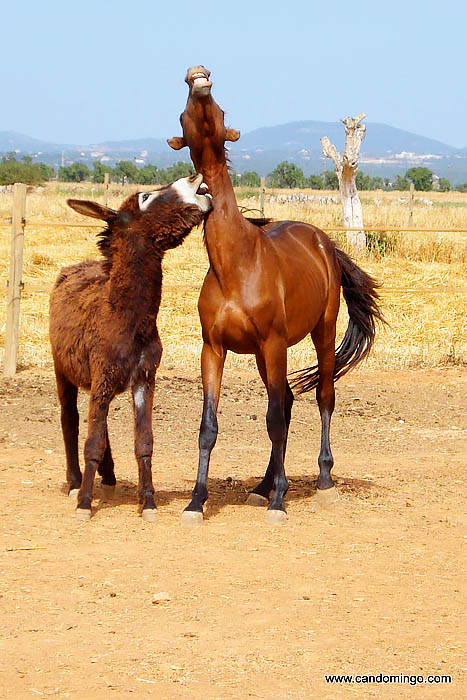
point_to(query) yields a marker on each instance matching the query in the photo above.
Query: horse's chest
(238, 328)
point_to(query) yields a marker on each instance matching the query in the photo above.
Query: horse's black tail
(360, 293)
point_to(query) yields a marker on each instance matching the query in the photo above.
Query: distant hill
(13, 141)
(386, 150)
(379, 139)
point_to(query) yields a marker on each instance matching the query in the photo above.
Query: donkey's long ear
(232, 135)
(97, 211)
(177, 143)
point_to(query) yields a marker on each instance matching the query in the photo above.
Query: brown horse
(103, 328)
(266, 289)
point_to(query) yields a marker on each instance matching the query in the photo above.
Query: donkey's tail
(360, 293)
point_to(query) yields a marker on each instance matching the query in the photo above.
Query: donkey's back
(76, 319)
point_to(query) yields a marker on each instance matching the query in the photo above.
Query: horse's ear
(177, 143)
(232, 135)
(97, 211)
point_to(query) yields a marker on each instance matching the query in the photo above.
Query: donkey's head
(156, 220)
(202, 123)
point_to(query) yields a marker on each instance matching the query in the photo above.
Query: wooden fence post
(14, 280)
(411, 201)
(106, 188)
(261, 195)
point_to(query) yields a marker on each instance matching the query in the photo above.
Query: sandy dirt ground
(117, 608)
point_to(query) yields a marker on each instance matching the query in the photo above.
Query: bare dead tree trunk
(346, 169)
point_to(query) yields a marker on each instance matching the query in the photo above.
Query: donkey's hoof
(276, 517)
(73, 494)
(149, 515)
(326, 498)
(255, 499)
(192, 518)
(83, 513)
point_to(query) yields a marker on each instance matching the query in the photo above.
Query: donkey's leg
(212, 365)
(275, 359)
(94, 448)
(143, 395)
(68, 394)
(323, 337)
(106, 467)
(260, 494)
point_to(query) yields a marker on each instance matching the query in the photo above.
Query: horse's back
(310, 273)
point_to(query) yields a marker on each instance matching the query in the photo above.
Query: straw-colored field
(427, 325)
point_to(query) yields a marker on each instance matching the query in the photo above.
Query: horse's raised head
(202, 122)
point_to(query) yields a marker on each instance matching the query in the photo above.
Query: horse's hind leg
(68, 395)
(323, 337)
(106, 467)
(260, 494)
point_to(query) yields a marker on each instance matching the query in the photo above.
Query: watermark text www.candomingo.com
(386, 679)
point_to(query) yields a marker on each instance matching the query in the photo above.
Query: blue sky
(83, 72)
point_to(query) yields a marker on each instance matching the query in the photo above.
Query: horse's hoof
(149, 515)
(83, 514)
(73, 494)
(192, 518)
(255, 499)
(326, 498)
(276, 517)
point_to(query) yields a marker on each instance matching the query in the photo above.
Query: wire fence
(15, 286)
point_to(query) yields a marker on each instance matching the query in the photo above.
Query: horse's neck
(230, 238)
(135, 287)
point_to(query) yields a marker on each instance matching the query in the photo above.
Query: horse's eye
(144, 196)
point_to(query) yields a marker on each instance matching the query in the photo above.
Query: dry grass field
(423, 275)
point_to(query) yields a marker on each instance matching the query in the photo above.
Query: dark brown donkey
(103, 328)
(266, 289)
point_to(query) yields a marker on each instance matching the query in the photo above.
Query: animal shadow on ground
(228, 492)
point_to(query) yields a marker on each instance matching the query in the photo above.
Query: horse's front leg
(212, 365)
(94, 448)
(143, 395)
(275, 359)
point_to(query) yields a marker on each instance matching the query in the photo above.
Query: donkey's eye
(145, 199)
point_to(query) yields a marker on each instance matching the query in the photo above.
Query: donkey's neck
(230, 238)
(135, 287)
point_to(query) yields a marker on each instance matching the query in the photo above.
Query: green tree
(47, 171)
(287, 175)
(178, 170)
(422, 178)
(331, 181)
(150, 175)
(12, 171)
(99, 170)
(125, 171)
(316, 182)
(249, 178)
(444, 184)
(363, 181)
(234, 177)
(462, 188)
(77, 172)
(400, 183)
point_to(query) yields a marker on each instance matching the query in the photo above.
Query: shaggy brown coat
(103, 329)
